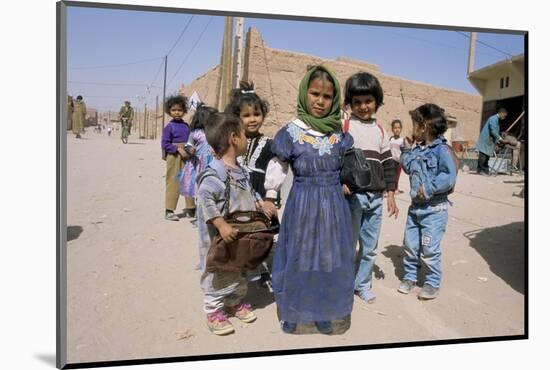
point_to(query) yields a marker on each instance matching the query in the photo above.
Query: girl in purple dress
(313, 264)
(198, 149)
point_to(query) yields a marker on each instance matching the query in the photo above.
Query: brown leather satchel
(253, 244)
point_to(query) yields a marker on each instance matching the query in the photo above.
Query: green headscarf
(332, 121)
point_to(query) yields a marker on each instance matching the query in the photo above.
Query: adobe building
(277, 73)
(501, 85)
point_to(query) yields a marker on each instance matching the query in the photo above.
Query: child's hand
(227, 232)
(190, 149)
(346, 189)
(182, 153)
(420, 193)
(392, 206)
(269, 209)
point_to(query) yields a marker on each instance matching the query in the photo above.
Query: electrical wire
(191, 51)
(118, 65)
(181, 34)
(110, 84)
(485, 44)
(156, 75)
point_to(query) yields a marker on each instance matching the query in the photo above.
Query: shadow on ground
(503, 248)
(338, 327)
(259, 293)
(73, 232)
(396, 253)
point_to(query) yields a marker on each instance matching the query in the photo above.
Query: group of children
(316, 270)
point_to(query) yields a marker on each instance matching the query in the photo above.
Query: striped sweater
(374, 141)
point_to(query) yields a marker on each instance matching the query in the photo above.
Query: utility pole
(471, 55)
(220, 74)
(237, 63)
(224, 84)
(156, 115)
(228, 61)
(164, 87)
(145, 121)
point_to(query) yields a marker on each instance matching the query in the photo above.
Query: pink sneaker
(242, 312)
(218, 323)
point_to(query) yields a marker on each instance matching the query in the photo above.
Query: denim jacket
(431, 167)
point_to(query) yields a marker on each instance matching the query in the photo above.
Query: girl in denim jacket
(432, 174)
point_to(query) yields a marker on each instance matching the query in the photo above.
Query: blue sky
(113, 55)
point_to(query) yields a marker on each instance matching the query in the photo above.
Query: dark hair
(79, 97)
(363, 83)
(432, 116)
(502, 110)
(200, 118)
(396, 121)
(175, 100)
(218, 130)
(245, 95)
(320, 74)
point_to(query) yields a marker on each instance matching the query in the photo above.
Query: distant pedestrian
(70, 110)
(396, 141)
(127, 112)
(79, 116)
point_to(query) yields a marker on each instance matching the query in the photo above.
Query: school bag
(252, 246)
(356, 172)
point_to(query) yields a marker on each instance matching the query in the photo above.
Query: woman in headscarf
(313, 265)
(79, 116)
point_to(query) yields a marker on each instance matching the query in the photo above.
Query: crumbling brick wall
(277, 74)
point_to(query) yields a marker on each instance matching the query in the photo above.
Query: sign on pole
(194, 101)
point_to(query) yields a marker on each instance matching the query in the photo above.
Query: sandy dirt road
(133, 291)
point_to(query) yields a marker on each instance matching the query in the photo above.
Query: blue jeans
(366, 218)
(423, 233)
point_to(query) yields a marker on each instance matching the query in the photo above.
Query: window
(502, 83)
(507, 80)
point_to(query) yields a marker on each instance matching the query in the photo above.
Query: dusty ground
(133, 292)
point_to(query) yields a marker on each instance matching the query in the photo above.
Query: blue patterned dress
(313, 271)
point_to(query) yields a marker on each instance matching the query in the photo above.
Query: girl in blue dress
(313, 271)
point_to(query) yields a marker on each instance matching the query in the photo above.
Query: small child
(364, 95)
(200, 153)
(174, 137)
(395, 146)
(252, 110)
(224, 291)
(432, 174)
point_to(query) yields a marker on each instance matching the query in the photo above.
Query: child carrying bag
(356, 172)
(252, 246)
